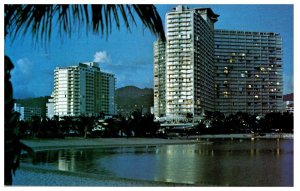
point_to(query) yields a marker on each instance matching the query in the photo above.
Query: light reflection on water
(217, 163)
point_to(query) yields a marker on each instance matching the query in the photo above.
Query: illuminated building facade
(200, 68)
(248, 72)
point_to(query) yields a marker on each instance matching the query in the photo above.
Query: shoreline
(79, 142)
(249, 136)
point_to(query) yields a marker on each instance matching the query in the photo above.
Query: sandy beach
(29, 175)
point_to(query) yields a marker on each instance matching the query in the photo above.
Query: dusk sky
(129, 55)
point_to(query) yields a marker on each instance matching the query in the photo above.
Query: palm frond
(39, 19)
(150, 18)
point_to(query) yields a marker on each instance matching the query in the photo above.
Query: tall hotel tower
(189, 63)
(159, 78)
(83, 90)
(201, 69)
(248, 74)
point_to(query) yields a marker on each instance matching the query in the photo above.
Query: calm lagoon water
(265, 162)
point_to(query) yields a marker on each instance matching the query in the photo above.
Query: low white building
(288, 103)
(50, 107)
(26, 113)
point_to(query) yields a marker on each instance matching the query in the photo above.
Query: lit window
(225, 94)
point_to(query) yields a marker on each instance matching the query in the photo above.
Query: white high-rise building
(107, 97)
(159, 79)
(83, 90)
(189, 62)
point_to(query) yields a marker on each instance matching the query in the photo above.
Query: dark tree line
(241, 122)
(137, 125)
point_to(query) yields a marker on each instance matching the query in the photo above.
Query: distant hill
(131, 98)
(133, 91)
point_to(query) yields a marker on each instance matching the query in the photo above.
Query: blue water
(215, 163)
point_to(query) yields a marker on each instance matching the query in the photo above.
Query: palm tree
(67, 124)
(39, 21)
(287, 122)
(86, 124)
(214, 120)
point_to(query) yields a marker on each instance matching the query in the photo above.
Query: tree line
(139, 125)
(242, 122)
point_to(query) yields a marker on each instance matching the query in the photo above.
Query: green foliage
(282, 122)
(216, 122)
(112, 128)
(138, 125)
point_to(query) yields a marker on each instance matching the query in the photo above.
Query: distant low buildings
(50, 107)
(288, 103)
(83, 90)
(26, 113)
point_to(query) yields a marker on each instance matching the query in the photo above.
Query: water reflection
(67, 160)
(173, 158)
(226, 162)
